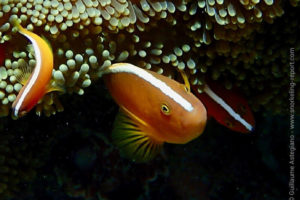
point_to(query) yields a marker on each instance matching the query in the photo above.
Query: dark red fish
(2, 53)
(227, 107)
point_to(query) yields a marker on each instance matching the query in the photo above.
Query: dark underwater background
(69, 156)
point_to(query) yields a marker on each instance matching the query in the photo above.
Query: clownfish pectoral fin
(23, 75)
(186, 80)
(132, 142)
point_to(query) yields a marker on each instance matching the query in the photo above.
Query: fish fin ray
(24, 76)
(133, 117)
(185, 80)
(132, 142)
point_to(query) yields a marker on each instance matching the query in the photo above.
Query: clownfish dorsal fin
(47, 41)
(15, 22)
(132, 141)
(185, 80)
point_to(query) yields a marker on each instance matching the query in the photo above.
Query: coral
(205, 38)
(227, 20)
(262, 69)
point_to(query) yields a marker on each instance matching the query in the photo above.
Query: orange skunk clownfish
(154, 109)
(38, 83)
(227, 107)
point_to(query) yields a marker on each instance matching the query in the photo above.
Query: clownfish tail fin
(132, 142)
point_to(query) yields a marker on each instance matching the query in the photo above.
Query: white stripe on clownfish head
(35, 73)
(226, 107)
(163, 87)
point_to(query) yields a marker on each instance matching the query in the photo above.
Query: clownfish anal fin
(132, 142)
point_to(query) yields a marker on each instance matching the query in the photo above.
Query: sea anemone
(206, 38)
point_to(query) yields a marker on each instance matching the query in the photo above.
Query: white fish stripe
(226, 107)
(35, 73)
(163, 87)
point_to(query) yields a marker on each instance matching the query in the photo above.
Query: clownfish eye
(229, 123)
(165, 109)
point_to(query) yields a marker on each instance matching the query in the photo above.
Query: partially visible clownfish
(2, 53)
(154, 109)
(38, 83)
(227, 107)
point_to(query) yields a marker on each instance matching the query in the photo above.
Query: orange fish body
(162, 109)
(37, 85)
(237, 116)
